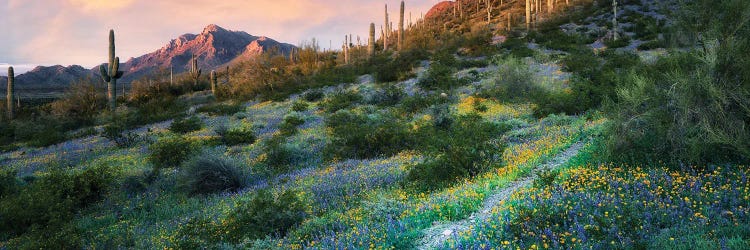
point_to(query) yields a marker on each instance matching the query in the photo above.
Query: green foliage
(265, 213)
(464, 149)
(688, 107)
(181, 125)
(208, 174)
(388, 95)
(416, 103)
(341, 99)
(279, 156)
(399, 68)
(366, 135)
(81, 102)
(236, 135)
(115, 132)
(221, 109)
(170, 151)
(313, 95)
(440, 73)
(289, 125)
(300, 106)
(51, 201)
(517, 48)
(513, 81)
(619, 43)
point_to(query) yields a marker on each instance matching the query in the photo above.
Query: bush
(313, 95)
(289, 125)
(221, 109)
(279, 156)
(209, 174)
(81, 102)
(115, 132)
(340, 100)
(300, 106)
(416, 103)
(236, 136)
(264, 214)
(356, 135)
(399, 68)
(465, 149)
(181, 125)
(170, 151)
(690, 107)
(439, 76)
(389, 95)
(52, 201)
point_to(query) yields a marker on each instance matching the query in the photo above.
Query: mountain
(214, 47)
(49, 78)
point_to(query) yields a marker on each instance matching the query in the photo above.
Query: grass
(329, 168)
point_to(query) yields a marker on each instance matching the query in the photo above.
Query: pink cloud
(75, 31)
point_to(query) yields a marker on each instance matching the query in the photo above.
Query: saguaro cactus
(227, 75)
(195, 72)
(528, 15)
(385, 38)
(400, 45)
(111, 73)
(11, 86)
(371, 42)
(489, 11)
(214, 81)
(615, 36)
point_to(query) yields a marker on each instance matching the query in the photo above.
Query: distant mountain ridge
(214, 47)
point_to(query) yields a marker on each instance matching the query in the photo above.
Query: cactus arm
(103, 72)
(119, 74)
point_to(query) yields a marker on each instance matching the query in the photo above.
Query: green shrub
(115, 132)
(388, 95)
(170, 151)
(265, 213)
(356, 135)
(8, 183)
(466, 148)
(209, 174)
(81, 102)
(619, 43)
(181, 125)
(416, 103)
(517, 48)
(236, 136)
(51, 201)
(340, 100)
(289, 125)
(313, 95)
(220, 109)
(300, 106)
(438, 77)
(399, 68)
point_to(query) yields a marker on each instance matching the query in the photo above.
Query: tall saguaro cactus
(111, 73)
(195, 72)
(528, 15)
(371, 42)
(385, 37)
(615, 36)
(11, 86)
(214, 82)
(400, 44)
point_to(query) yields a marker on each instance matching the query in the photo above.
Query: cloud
(17, 68)
(97, 5)
(75, 31)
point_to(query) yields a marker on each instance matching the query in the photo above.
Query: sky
(67, 32)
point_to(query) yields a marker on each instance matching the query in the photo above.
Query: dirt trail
(436, 235)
